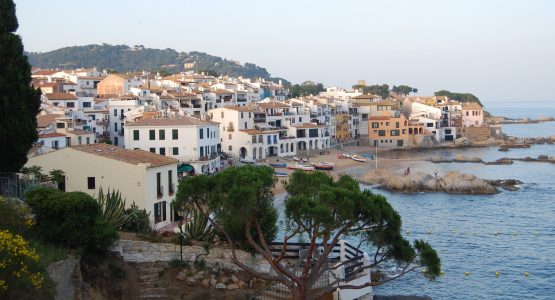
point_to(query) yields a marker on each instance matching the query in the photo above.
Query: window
(70, 104)
(91, 183)
(115, 127)
(245, 125)
(86, 104)
(242, 115)
(159, 184)
(116, 141)
(375, 125)
(60, 125)
(201, 133)
(175, 134)
(175, 151)
(135, 135)
(161, 134)
(394, 132)
(162, 151)
(275, 139)
(230, 136)
(88, 140)
(381, 132)
(152, 134)
(268, 140)
(153, 150)
(396, 124)
(300, 119)
(229, 148)
(171, 188)
(115, 112)
(160, 212)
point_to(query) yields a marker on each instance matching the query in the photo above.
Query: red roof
(50, 135)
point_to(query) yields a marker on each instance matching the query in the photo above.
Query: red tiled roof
(182, 121)
(52, 134)
(134, 157)
(45, 120)
(61, 96)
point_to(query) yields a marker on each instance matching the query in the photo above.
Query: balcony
(160, 191)
(260, 120)
(208, 157)
(121, 131)
(197, 106)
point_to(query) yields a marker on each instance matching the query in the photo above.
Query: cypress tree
(19, 101)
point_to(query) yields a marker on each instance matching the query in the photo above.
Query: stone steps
(149, 279)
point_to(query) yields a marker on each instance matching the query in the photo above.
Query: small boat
(300, 167)
(327, 163)
(278, 165)
(359, 159)
(323, 167)
(295, 158)
(280, 174)
(247, 161)
(369, 156)
(346, 155)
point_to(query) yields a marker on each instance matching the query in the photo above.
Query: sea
(476, 236)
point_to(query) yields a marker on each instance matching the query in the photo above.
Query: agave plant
(113, 208)
(197, 227)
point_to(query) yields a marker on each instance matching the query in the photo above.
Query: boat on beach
(369, 156)
(247, 161)
(278, 165)
(300, 167)
(357, 158)
(280, 174)
(323, 167)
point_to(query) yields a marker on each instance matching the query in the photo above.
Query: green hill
(123, 58)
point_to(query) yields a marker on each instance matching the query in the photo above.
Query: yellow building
(342, 126)
(388, 132)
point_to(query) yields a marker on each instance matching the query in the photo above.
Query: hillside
(123, 58)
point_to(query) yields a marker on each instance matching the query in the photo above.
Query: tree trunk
(300, 292)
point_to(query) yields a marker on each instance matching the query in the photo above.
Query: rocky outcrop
(501, 161)
(452, 182)
(507, 184)
(67, 276)
(458, 158)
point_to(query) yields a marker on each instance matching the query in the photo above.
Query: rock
(181, 275)
(213, 281)
(507, 184)
(461, 158)
(205, 283)
(220, 286)
(453, 182)
(232, 286)
(501, 161)
(438, 159)
(67, 276)
(191, 280)
(234, 279)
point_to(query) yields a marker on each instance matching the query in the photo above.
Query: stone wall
(143, 252)
(476, 133)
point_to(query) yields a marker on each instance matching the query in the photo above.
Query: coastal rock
(508, 184)
(220, 286)
(462, 158)
(501, 161)
(452, 182)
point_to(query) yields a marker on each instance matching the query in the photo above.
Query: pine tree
(19, 101)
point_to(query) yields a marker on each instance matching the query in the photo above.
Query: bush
(138, 220)
(15, 216)
(21, 274)
(70, 219)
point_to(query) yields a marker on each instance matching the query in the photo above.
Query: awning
(185, 168)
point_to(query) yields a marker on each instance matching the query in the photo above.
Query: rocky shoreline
(451, 183)
(505, 120)
(501, 161)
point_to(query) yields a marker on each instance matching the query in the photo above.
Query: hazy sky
(496, 49)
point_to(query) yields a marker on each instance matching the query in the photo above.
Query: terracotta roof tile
(134, 157)
(61, 96)
(182, 121)
(46, 120)
(52, 134)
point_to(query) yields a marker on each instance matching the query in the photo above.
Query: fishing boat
(280, 174)
(369, 156)
(295, 158)
(346, 155)
(327, 163)
(359, 159)
(323, 167)
(278, 165)
(300, 167)
(247, 161)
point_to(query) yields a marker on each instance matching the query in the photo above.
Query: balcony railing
(160, 191)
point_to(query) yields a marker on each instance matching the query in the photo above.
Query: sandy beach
(385, 161)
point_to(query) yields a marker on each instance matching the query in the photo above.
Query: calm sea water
(510, 232)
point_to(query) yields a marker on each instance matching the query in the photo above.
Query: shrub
(15, 216)
(21, 274)
(70, 219)
(112, 206)
(139, 220)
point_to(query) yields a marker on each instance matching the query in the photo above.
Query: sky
(499, 50)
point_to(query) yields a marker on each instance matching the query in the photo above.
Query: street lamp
(179, 230)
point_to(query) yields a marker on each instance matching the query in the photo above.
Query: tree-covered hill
(123, 58)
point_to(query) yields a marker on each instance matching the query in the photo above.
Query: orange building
(117, 84)
(388, 132)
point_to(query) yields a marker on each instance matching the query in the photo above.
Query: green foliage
(19, 101)
(403, 89)
(307, 88)
(236, 196)
(49, 253)
(327, 208)
(125, 58)
(14, 216)
(197, 227)
(376, 89)
(112, 206)
(462, 97)
(177, 263)
(209, 73)
(35, 171)
(70, 220)
(56, 175)
(138, 222)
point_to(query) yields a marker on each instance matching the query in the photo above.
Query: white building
(149, 180)
(189, 140)
(117, 109)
